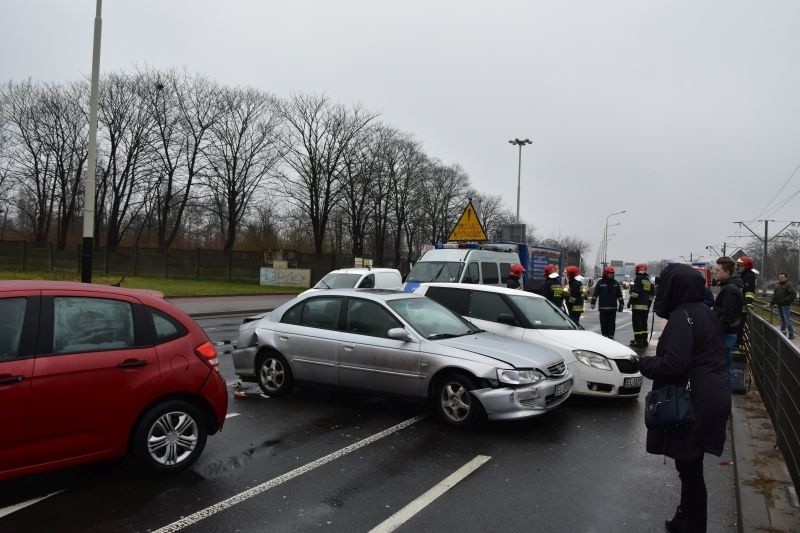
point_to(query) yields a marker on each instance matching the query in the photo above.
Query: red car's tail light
(208, 353)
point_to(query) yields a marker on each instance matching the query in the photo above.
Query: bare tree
(315, 138)
(409, 177)
(444, 198)
(126, 126)
(492, 212)
(358, 172)
(242, 155)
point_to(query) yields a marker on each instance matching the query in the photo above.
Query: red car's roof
(38, 284)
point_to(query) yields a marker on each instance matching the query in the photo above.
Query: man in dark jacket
(783, 297)
(728, 307)
(552, 288)
(639, 300)
(574, 294)
(689, 349)
(608, 291)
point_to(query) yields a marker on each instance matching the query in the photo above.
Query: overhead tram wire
(767, 207)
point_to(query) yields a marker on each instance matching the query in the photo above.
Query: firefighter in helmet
(574, 293)
(639, 301)
(748, 275)
(514, 276)
(609, 292)
(552, 288)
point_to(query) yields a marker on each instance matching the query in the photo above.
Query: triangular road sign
(468, 227)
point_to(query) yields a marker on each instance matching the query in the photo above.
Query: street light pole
(519, 143)
(605, 236)
(88, 197)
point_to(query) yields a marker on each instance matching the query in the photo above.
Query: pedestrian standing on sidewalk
(728, 307)
(608, 291)
(783, 297)
(689, 350)
(639, 300)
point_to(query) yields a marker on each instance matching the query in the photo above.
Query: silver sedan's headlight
(519, 376)
(592, 359)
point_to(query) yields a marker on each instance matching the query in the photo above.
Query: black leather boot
(678, 522)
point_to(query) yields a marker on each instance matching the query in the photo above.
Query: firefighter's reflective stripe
(577, 309)
(639, 307)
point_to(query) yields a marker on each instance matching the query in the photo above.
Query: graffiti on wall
(287, 277)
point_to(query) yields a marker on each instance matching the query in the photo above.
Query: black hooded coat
(690, 348)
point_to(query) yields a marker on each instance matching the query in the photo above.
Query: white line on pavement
(274, 482)
(231, 415)
(407, 512)
(14, 508)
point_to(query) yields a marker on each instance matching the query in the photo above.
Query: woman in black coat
(690, 349)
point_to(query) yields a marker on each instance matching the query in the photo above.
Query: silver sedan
(396, 343)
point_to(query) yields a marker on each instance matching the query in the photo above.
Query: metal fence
(171, 263)
(775, 365)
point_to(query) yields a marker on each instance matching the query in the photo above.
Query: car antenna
(119, 283)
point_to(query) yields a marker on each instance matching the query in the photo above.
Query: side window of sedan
(12, 315)
(91, 324)
(457, 300)
(321, 313)
(487, 306)
(369, 318)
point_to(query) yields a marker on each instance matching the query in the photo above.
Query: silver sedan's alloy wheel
(456, 402)
(272, 374)
(172, 438)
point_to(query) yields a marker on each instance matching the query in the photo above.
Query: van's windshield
(425, 271)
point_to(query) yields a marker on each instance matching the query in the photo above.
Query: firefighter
(574, 293)
(514, 275)
(748, 276)
(639, 301)
(609, 292)
(552, 288)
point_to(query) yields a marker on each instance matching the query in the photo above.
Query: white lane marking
(14, 508)
(231, 415)
(407, 512)
(274, 482)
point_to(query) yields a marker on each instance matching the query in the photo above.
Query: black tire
(170, 437)
(453, 402)
(274, 375)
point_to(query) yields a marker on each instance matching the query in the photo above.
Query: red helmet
(573, 271)
(641, 267)
(517, 269)
(608, 270)
(746, 262)
(550, 269)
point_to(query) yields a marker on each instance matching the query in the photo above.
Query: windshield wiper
(448, 335)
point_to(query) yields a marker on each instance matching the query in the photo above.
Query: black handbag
(669, 407)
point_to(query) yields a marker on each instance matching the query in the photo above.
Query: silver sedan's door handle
(283, 338)
(349, 347)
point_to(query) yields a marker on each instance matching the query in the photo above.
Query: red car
(89, 372)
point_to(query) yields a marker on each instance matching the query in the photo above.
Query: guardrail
(775, 365)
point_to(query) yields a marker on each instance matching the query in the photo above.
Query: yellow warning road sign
(468, 227)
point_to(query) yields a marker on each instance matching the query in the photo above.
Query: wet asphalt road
(581, 468)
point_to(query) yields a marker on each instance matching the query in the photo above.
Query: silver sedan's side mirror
(399, 334)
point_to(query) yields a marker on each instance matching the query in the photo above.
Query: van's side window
(505, 268)
(490, 273)
(472, 274)
(457, 300)
(368, 282)
(487, 306)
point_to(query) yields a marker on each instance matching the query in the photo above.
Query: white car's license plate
(633, 382)
(563, 388)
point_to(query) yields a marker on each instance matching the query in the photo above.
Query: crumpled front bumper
(511, 403)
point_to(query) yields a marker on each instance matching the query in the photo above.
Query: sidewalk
(765, 496)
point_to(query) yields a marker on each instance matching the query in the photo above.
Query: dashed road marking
(406, 513)
(274, 482)
(231, 415)
(5, 511)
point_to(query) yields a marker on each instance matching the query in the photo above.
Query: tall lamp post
(519, 143)
(88, 201)
(605, 236)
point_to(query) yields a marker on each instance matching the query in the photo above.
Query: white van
(461, 265)
(359, 278)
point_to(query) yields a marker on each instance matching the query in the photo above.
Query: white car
(359, 278)
(600, 366)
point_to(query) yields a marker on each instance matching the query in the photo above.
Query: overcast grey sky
(684, 113)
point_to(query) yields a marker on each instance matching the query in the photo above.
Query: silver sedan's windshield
(541, 313)
(426, 271)
(430, 319)
(338, 281)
